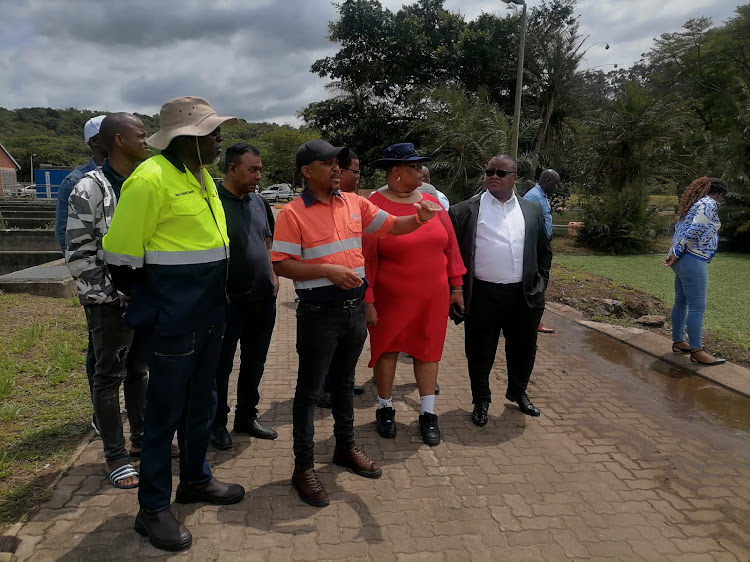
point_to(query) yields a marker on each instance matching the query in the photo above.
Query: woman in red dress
(413, 280)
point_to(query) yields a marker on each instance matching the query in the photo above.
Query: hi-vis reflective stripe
(331, 248)
(323, 282)
(122, 259)
(286, 248)
(377, 222)
(187, 257)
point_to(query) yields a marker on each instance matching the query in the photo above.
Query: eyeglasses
(415, 166)
(355, 172)
(216, 132)
(500, 173)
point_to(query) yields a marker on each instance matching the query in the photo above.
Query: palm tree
(631, 138)
(462, 131)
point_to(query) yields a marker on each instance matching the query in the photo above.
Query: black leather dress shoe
(163, 530)
(479, 415)
(386, 422)
(255, 428)
(214, 492)
(428, 426)
(525, 405)
(359, 390)
(220, 438)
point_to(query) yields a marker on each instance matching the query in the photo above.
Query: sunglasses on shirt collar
(500, 173)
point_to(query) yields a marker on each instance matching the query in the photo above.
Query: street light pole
(32, 171)
(519, 80)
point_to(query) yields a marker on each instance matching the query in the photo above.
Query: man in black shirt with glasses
(251, 293)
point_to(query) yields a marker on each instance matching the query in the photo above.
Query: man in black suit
(507, 254)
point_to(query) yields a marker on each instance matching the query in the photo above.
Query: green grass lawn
(728, 313)
(44, 396)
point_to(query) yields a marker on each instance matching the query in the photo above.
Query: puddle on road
(685, 394)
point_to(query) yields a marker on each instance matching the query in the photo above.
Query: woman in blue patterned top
(696, 237)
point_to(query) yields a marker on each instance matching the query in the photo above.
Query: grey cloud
(249, 58)
(144, 23)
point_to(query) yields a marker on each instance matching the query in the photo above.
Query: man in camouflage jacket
(119, 356)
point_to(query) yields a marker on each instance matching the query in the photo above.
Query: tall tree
(392, 55)
(463, 131)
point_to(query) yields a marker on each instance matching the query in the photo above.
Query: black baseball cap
(318, 150)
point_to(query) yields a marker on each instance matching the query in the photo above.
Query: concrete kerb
(729, 375)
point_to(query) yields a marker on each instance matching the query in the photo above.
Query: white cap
(91, 128)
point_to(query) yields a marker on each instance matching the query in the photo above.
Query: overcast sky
(248, 58)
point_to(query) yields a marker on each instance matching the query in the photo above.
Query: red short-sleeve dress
(409, 280)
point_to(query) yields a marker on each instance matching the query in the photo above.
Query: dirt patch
(587, 292)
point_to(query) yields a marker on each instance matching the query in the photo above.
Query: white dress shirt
(501, 230)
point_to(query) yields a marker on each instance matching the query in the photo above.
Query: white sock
(385, 403)
(428, 404)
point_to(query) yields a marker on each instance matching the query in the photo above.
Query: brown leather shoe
(356, 460)
(309, 488)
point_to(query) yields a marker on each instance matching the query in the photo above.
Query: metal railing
(27, 190)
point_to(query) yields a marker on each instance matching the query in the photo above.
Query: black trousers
(329, 340)
(120, 361)
(496, 308)
(252, 325)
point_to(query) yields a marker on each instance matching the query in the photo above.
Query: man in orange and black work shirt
(318, 244)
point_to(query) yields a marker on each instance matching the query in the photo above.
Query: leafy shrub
(618, 222)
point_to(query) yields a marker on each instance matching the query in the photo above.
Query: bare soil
(585, 291)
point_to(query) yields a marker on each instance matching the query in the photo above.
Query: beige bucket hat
(187, 116)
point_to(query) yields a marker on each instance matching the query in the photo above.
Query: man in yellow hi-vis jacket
(167, 248)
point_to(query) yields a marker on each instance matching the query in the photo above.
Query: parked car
(27, 191)
(277, 192)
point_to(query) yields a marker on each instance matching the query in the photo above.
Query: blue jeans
(690, 290)
(181, 397)
(252, 325)
(329, 339)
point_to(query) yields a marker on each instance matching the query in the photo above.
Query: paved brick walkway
(624, 464)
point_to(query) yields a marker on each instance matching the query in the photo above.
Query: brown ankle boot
(308, 486)
(356, 460)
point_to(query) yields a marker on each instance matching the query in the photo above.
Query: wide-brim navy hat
(398, 153)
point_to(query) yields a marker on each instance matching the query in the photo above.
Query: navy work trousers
(181, 397)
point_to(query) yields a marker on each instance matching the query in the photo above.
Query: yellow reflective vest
(168, 224)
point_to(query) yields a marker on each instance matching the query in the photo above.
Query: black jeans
(252, 325)
(120, 359)
(329, 339)
(495, 308)
(90, 370)
(182, 398)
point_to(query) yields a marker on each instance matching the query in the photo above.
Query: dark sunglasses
(216, 132)
(500, 173)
